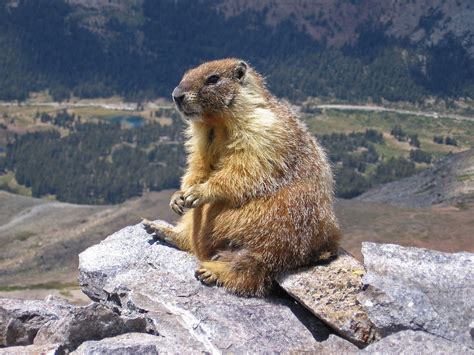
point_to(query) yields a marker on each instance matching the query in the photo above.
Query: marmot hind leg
(239, 272)
(177, 237)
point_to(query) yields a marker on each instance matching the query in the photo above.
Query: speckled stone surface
(411, 342)
(131, 272)
(131, 343)
(330, 291)
(55, 321)
(419, 289)
(48, 349)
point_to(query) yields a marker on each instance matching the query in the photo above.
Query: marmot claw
(177, 203)
(193, 197)
(206, 276)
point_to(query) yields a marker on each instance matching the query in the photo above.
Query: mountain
(353, 50)
(451, 180)
(40, 239)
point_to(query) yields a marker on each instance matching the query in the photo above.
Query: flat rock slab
(411, 342)
(131, 272)
(419, 289)
(330, 290)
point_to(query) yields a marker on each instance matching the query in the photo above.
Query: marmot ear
(240, 70)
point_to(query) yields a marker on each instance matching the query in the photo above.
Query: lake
(134, 121)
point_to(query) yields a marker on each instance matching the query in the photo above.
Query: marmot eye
(212, 79)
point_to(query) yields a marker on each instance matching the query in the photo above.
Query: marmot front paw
(194, 196)
(177, 202)
(206, 276)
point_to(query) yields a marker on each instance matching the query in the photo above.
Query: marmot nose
(178, 95)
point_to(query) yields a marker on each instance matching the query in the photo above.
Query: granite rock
(55, 321)
(412, 342)
(330, 290)
(20, 320)
(139, 343)
(132, 273)
(419, 289)
(131, 343)
(336, 345)
(91, 322)
(47, 349)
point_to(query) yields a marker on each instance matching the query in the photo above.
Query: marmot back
(257, 195)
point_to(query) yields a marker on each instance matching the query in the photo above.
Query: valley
(40, 238)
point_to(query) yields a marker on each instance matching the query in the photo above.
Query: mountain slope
(40, 240)
(339, 23)
(451, 180)
(352, 50)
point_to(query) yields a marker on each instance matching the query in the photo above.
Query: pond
(134, 121)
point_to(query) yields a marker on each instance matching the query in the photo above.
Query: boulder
(139, 343)
(419, 289)
(91, 322)
(55, 321)
(48, 349)
(20, 320)
(133, 273)
(411, 342)
(132, 343)
(330, 290)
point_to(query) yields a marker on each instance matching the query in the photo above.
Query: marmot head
(213, 87)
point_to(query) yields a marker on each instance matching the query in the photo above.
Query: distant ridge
(350, 50)
(451, 180)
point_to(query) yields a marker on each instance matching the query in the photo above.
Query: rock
(48, 349)
(411, 342)
(4, 319)
(131, 343)
(131, 272)
(139, 343)
(330, 291)
(55, 321)
(337, 345)
(419, 289)
(91, 322)
(20, 320)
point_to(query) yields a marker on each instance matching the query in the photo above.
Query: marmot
(258, 186)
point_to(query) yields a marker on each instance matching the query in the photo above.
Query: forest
(97, 163)
(44, 47)
(107, 163)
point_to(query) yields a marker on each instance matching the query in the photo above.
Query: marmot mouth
(190, 113)
(186, 112)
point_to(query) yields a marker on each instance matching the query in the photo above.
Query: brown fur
(259, 185)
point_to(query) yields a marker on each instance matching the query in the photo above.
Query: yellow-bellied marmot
(258, 185)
